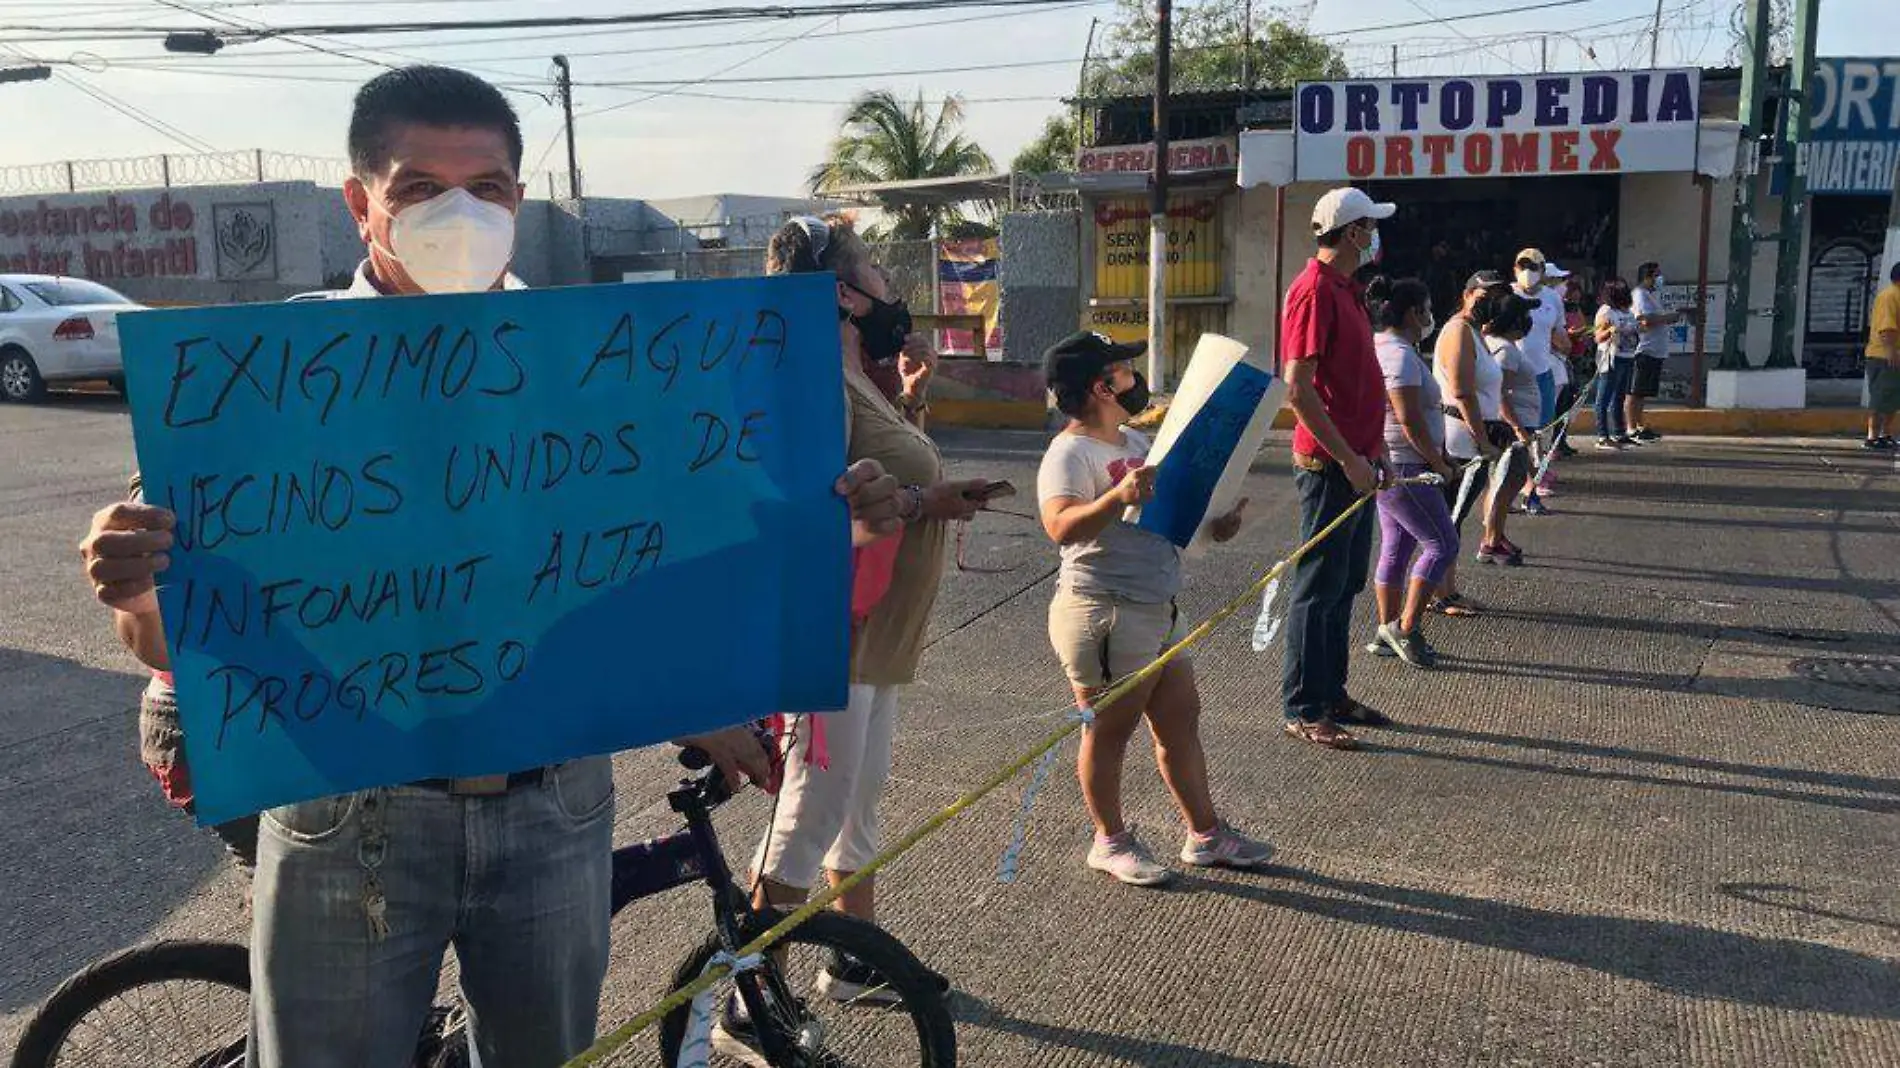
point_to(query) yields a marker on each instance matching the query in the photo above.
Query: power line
(695, 15)
(1065, 5)
(129, 110)
(844, 77)
(676, 87)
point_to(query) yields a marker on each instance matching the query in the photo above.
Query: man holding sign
(358, 894)
(1337, 391)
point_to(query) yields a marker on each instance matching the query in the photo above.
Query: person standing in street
(1337, 392)
(1653, 320)
(1472, 388)
(357, 896)
(1616, 335)
(1545, 347)
(1411, 517)
(1883, 364)
(1114, 612)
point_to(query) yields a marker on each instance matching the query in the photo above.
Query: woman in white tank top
(1472, 386)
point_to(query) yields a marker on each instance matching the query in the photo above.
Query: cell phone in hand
(996, 491)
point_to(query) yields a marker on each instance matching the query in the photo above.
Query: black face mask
(884, 328)
(1134, 399)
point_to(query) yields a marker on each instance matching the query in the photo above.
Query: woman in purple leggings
(1412, 518)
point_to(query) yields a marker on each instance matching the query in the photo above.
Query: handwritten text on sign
(451, 536)
(1617, 122)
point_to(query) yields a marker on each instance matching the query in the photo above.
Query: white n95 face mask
(453, 242)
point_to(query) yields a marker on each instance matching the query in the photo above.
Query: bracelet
(914, 511)
(912, 404)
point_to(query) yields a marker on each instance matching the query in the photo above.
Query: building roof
(955, 190)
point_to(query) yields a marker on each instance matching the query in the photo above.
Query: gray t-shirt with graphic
(1124, 561)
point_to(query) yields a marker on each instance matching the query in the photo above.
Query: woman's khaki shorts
(1100, 640)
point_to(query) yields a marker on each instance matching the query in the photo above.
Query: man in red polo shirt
(1337, 391)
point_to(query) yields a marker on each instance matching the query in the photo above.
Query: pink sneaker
(1226, 848)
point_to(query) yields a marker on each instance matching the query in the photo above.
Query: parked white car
(57, 330)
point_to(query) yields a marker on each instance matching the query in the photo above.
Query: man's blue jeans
(1325, 581)
(357, 896)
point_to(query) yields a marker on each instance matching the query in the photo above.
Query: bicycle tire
(936, 1035)
(220, 963)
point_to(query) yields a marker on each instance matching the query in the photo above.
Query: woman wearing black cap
(1113, 611)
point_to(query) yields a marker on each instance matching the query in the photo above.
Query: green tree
(1052, 151)
(1209, 52)
(884, 139)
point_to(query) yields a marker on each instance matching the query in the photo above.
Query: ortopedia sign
(1184, 157)
(1619, 122)
(1855, 130)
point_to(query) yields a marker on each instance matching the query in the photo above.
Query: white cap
(1551, 270)
(1346, 205)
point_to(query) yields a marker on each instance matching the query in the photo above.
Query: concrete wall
(1659, 218)
(1040, 281)
(341, 248)
(201, 244)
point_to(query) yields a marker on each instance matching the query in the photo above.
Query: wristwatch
(912, 404)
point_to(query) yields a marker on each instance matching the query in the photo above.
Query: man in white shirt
(358, 896)
(1547, 344)
(1653, 319)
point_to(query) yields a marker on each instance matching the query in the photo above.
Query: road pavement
(1644, 814)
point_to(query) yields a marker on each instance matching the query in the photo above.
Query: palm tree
(884, 139)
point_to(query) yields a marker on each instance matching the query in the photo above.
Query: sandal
(1454, 606)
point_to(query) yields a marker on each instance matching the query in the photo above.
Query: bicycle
(203, 988)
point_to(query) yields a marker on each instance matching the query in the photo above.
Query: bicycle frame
(693, 854)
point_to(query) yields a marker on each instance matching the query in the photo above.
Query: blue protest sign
(1220, 415)
(464, 535)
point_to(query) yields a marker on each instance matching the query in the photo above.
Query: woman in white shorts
(1114, 613)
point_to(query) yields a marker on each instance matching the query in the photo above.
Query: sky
(744, 107)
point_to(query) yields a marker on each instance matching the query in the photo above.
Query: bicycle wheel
(826, 1033)
(166, 1005)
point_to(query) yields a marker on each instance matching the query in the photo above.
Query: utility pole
(1246, 47)
(1742, 232)
(1158, 202)
(1395, 61)
(1655, 36)
(1082, 91)
(564, 84)
(1797, 121)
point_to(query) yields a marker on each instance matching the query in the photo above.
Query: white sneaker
(1226, 848)
(1125, 858)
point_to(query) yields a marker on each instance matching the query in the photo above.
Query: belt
(484, 785)
(1315, 464)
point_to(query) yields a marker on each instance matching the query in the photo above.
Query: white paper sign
(1215, 426)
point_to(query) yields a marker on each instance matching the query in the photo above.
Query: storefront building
(1202, 223)
(1603, 170)
(1850, 165)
